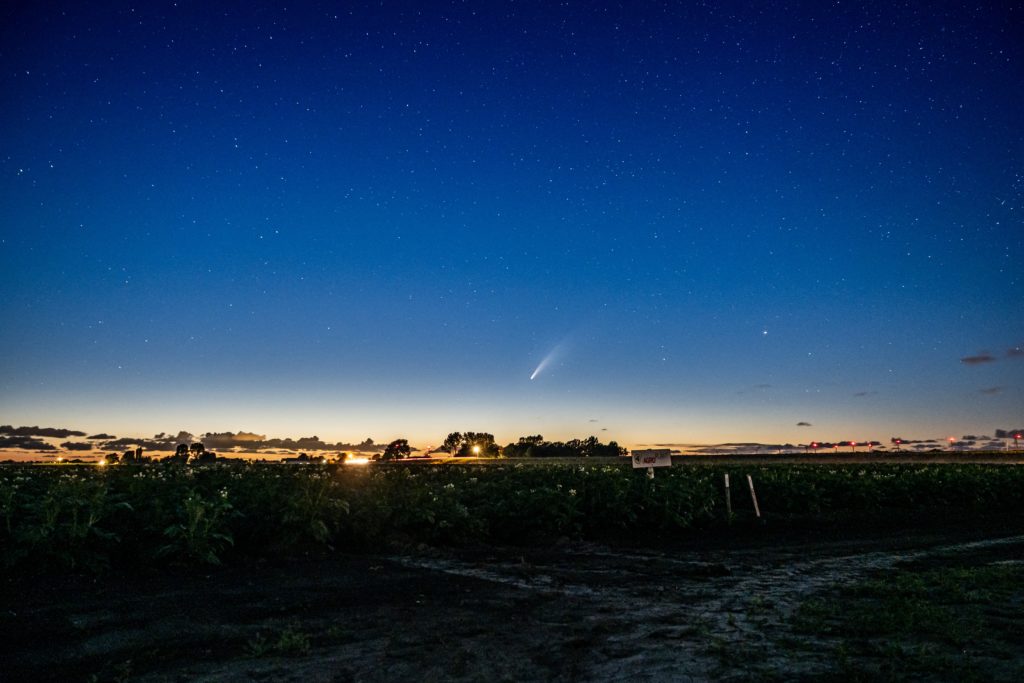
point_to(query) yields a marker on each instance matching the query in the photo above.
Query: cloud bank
(39, 431)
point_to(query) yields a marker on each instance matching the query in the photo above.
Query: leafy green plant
(201, 534)
(291, 642)
(62, 524)
(85, 517)
(311, 510)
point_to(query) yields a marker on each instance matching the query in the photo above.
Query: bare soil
(711, 608)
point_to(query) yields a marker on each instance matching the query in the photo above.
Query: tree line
(456, 444)
(482, 444)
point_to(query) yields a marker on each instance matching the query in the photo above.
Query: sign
(660, 457)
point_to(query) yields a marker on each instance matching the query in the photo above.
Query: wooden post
(753, 496)
(728, 498)
(650, 473)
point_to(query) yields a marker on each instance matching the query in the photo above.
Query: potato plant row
(97, 519)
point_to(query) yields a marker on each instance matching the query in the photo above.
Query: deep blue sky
(376, 219)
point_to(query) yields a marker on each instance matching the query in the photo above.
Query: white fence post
(728, 498)
(753, 497)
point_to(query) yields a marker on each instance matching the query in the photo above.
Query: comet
(546, 362)
(540, 367)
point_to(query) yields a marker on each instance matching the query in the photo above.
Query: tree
(452, 443)
(180, 455)
(205, 456)
(537, 447)
(471, 444)
(396, 450)
(479, 445)
(526, 447)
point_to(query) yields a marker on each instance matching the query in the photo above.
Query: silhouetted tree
(479, 444)
(180, 455)
(525, 447)
(205, 456)
(452, 443)
(467, 444)
(536, 447)
(396, 450)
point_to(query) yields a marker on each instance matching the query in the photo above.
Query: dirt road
(574, 612)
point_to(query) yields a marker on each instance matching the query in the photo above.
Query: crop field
(236, 571)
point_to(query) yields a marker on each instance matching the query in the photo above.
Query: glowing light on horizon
(357, 460)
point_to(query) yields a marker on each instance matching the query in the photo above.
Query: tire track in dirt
(654, 616)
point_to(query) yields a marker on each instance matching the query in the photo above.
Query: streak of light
(547, 361)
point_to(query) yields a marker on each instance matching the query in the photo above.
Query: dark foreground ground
(927, 604)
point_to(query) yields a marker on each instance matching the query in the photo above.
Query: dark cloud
(592, 420)
(803, 424)
(983, 357)
(27, 438)
(159, 442)
(26, 443)
(313, 443)
(126, 443)
(762, 386)
(865, 393)
(991, 390)
(226, 440)
(39, 431)
(1015, 352)
(254, 443)
(238, 442)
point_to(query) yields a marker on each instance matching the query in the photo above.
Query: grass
(290, 641)
(951, 622)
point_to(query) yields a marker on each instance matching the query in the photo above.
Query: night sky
(701, 222)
